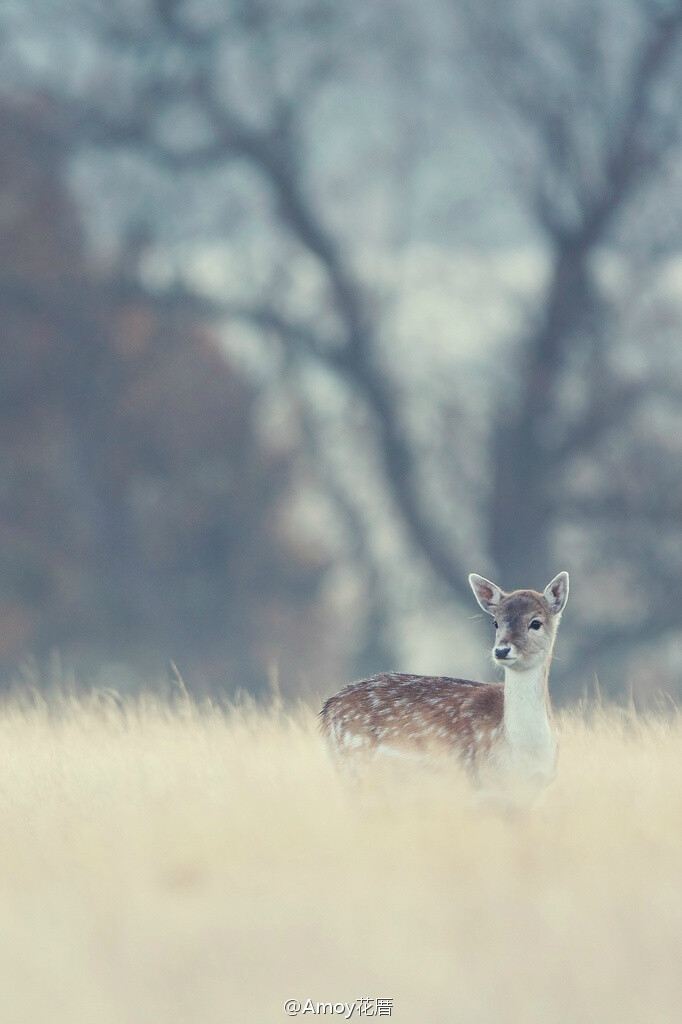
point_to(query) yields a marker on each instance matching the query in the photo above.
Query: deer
(501, 734)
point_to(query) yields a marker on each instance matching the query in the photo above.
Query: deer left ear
(487, 594)
(556, 593)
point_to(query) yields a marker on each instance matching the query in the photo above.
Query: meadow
(170, 861)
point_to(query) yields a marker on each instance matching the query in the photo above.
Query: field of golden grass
(170, 862)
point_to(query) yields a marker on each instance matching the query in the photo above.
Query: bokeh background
(309, 308)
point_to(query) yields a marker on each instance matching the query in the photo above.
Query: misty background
(310, 308)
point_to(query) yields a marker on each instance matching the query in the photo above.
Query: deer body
(500, 733)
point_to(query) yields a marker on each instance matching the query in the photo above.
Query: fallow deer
(502, 733)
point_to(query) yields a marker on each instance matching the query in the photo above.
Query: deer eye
(535, 624)
(495, 624)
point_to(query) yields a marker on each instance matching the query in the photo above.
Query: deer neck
(527, 715)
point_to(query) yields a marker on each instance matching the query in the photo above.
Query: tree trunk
(526, 491)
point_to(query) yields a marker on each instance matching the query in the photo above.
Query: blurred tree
(143, 510)
(245, 107)
(585, 447)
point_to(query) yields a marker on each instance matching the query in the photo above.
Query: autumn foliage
(141, 504)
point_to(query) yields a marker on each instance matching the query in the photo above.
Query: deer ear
(486, 593)
(556, 593)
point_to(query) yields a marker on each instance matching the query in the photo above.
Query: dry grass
(181, 864)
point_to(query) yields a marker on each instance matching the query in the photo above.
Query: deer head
(526, 621)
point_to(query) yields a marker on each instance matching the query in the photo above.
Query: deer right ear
(556, 593)
(486, 593)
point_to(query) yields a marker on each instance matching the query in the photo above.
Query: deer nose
(502, 652)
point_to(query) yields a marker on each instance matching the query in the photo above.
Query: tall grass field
(174, 862)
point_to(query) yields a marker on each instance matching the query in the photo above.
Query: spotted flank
(399, 713)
